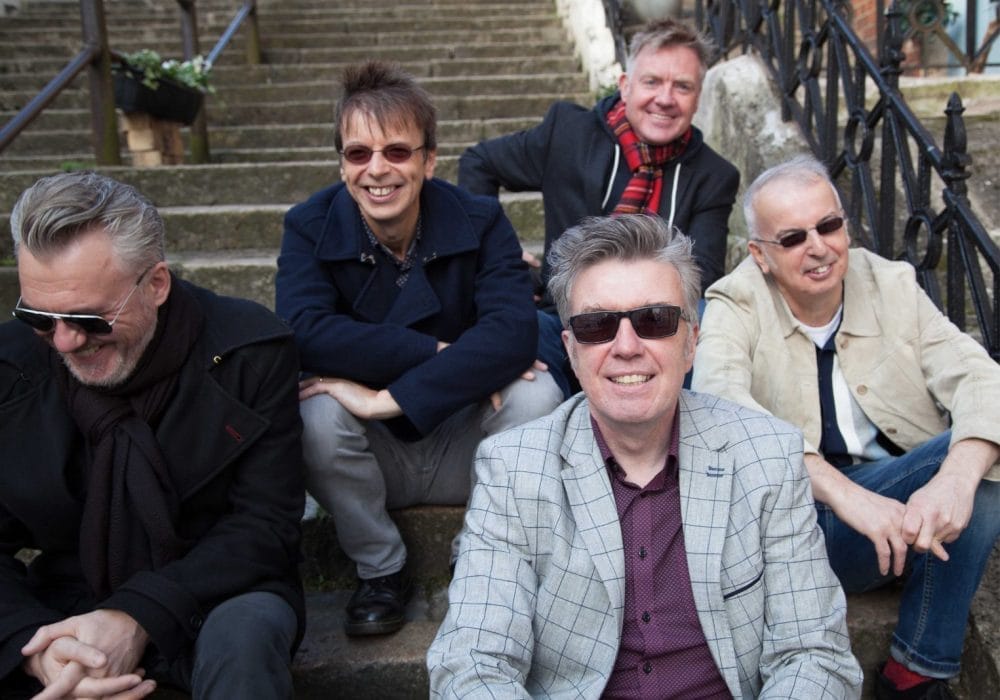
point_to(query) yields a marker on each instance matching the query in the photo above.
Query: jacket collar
(446, 227)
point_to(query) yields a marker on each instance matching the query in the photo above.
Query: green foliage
(68, 166)
(194, 73)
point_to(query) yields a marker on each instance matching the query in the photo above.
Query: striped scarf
(642, 194)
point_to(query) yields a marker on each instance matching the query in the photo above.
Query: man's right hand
(878, 518)
(65, 668)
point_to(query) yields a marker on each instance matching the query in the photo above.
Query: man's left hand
(938, 512)
(528, 375)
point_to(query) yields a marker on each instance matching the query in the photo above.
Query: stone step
(319, 111)
(444, 88)
(38, 149)
(240, 74)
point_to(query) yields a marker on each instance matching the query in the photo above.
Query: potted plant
(169, 90)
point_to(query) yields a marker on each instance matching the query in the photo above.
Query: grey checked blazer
(537, 600)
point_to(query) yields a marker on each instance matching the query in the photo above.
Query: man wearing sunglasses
(899, 410)
(413, 315)
(641, 541)
(634, 151)
(151, 457)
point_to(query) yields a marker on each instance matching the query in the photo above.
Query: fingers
(313, 386)
(125, 687)
(64, 684)
(496, 401)
(898, 555)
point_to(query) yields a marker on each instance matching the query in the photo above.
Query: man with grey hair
(151, 462)
(641, 540)
(897, 406)
(635, 151)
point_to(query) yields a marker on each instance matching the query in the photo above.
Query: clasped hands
(95, 655)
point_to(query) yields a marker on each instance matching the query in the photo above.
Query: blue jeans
(937, 594)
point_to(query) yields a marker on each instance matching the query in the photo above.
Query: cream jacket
(910, 369)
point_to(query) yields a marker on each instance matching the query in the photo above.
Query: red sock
(902, 677)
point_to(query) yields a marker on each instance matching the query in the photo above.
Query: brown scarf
(131, 506)
(642, 194)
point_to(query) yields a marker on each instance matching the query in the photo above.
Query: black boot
(378, 604)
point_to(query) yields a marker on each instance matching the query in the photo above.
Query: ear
(430, 160)
(759, 256)
(623, 84)
(159, 280)
(690, 345)
(569, 342)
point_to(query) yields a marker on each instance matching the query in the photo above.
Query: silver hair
(624, 237)
(666, 33)
(800, 169)
(56, 210)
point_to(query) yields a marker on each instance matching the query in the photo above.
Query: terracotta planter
(170, 101)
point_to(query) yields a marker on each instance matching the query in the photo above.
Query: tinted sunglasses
(649, 322)
(798, 236)
(396, 153)
(91, 324)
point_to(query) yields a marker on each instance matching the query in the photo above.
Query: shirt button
(647, 667)
(642, 552)
(862, 390)
(645, 617)
(195, 621)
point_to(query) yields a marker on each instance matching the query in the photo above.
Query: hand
(937, 513)
(497, 401)
(531, 259)
(362, 402)
(878, 518)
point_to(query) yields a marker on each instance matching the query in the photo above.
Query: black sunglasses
(798, 236)
(91, 324)
(396, 153)
(659, 321)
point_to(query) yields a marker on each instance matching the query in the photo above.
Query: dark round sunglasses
(798, 236)
(650, 322)
(396, 153)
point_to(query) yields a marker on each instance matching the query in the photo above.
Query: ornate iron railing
(891, 172)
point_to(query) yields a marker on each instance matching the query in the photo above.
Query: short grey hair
(667, 33)
(56, 210)
(622, 237)
(800, 169)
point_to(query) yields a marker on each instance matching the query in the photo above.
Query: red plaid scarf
(642, 194)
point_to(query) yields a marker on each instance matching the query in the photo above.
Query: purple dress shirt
(663, 652)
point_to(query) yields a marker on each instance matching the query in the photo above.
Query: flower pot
(170, 101)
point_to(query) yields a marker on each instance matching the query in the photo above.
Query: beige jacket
(910, 369)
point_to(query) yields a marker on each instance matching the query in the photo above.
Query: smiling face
(810, 275)
(632, 383)
(388, 194)
(661, 93)
(87, 277)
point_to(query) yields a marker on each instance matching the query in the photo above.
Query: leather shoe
(934, 689)
(378, 604)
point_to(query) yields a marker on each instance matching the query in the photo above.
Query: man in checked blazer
(641, 541)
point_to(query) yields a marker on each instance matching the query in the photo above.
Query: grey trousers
(358, 470)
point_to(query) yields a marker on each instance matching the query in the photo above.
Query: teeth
(380, 191)
(631, 379)
(821, 270)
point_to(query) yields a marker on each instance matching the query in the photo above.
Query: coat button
(862, 390)
(891, 431)
(195, 621)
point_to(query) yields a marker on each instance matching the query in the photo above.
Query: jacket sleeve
(708, 226)
(515, 162)
(490, 354)
(485, 645)
(806, 651)
(253, 545)
(328, 340)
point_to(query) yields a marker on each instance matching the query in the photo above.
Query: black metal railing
(892, 174)
(96, 57)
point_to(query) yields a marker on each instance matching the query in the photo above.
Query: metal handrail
(823, 71)
(96, 56)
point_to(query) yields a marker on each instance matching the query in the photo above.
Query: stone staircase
(492, 68)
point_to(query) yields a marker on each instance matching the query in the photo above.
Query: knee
(326, 426)
(524, 400)
(258, 659)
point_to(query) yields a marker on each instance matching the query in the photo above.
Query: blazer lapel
(706, 474)
(588, 490)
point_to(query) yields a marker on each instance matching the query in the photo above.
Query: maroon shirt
(663, 652)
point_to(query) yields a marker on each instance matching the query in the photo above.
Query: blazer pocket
(740, 589)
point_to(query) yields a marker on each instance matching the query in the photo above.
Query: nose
(67, 337)
(378, 164)
(815, 243)
(665, 95)
(626, 343)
